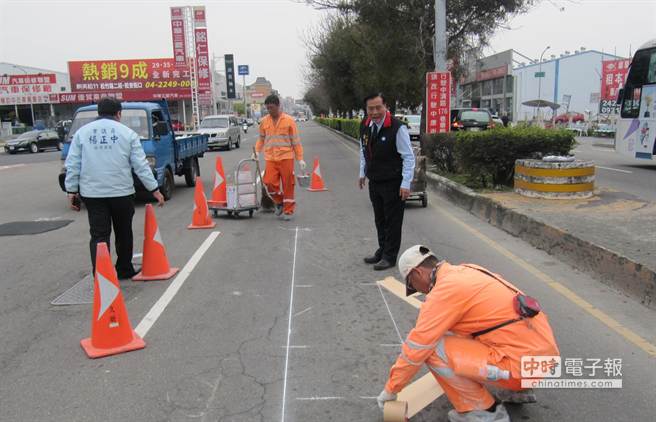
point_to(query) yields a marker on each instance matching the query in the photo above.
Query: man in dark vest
(387, 160)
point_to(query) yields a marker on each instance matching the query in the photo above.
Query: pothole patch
(22, 228)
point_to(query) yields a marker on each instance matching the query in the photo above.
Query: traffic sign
(539, 74)
(242, 69)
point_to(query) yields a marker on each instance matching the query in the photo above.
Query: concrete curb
(612, 268)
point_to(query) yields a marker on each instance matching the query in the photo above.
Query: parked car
(223, 131)
(177, 125)
(473, 119)
(34, 141)
(414, 125)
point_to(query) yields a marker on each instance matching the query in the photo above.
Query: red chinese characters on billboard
(28, 89)
(132, 80)
(438, 102)
(203, 67)
(613, 75)
(178, 31)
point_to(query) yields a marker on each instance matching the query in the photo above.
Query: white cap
(410, 259)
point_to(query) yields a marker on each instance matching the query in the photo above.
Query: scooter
(245, 127)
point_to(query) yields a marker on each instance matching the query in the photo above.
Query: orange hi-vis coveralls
(463, 301)
(281, 145)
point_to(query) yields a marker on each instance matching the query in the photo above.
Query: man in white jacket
(99, 168)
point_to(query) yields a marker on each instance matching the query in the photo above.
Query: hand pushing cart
(242, 190)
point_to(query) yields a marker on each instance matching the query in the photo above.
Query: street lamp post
(540, 82)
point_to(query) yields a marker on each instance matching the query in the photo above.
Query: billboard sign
(438, 102)
(203, 67)
(178, 31)
(139, 79)
(242, 69)
(230, 75)
(199, 16)
(613, 75)
(28, 89)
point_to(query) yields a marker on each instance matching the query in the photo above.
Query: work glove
(302, 165)
(383, 397)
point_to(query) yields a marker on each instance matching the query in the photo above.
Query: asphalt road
(277, 320)
(617, 172)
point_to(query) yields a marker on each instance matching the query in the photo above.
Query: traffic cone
(155, 264)
(219, 195)
(200, 218)
(111, 332)
(316, 183)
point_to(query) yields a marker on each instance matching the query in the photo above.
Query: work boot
(516, 397)
(372, 259)
(278, 209)
(499, 415)
(383, 264)
(287, 217)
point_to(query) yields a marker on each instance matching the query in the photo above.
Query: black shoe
(371, 259)
(383, 264)
(128, 275)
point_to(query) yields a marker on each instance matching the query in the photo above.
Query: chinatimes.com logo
(592, 373)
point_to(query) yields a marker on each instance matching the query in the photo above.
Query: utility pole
(439, 50)
(540, 86)
(243, 90)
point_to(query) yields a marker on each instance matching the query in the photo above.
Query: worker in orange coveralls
(472, 330)
(281, 144)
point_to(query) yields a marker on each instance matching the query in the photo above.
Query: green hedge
(350, 127)
(488, 157)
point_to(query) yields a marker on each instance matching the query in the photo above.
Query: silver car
(223, 130)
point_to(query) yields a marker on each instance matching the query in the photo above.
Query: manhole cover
(19, 228)
(81, 293)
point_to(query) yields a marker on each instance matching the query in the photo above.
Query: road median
(604, 236)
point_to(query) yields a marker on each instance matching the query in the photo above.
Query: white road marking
(368, 397)
(390, 314)
(320, 398)
(295, 347)
(612, 169)
(391, 345)
(289, 326)
(298, 286)
(12, 166)
(302, 312)
(156, 311)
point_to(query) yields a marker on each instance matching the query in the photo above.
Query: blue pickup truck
(167, 154)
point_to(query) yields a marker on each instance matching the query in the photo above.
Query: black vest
(383, 161)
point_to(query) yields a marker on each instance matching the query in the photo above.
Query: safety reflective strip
(280, 137)
(289, 201)
(441, 351)
(269, 144)
(418, 346)
(444, 371)
(410, 361)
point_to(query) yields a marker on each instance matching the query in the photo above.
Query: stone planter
(555, 180)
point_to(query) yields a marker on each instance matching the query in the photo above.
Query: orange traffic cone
(201, 217)
(155, 262)
(111, 332)
(316, 184)
(219, 195)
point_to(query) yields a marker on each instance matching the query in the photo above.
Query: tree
(388, 44)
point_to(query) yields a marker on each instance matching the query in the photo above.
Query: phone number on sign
(168, 84)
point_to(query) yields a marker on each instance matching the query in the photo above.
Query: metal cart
(418, 190)
(242, 191)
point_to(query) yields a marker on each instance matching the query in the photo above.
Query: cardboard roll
(395, 411)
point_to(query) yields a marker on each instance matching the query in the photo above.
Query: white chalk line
(302, 312)
(156, 311)
(320, 398)
(12, 166)
(299, 286)
(390, 345)
(613, 169)
(289, 326)
(390, 314)
(296, 347)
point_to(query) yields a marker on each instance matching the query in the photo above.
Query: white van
(223, 131)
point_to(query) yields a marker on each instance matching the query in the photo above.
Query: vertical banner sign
(613, 74)
(438, 102)
(199, 16)
(203, 67)
(230, 75)
(178, 31)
